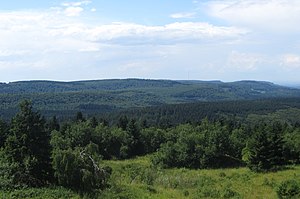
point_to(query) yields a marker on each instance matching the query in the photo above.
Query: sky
(226, 40)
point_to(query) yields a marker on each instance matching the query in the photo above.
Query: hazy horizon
(289, 84)
(228, 40)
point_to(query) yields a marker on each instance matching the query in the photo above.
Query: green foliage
(288, 189)
(152, 138)
(7, 170)
(75, 158)
(266, 151)
(205, 146)
(65, 99)
(128, 181)
(113, 142)
(292, 146)
(3, 132)
(53, 124)
(79, 171)
(27, 145)
(38, 193)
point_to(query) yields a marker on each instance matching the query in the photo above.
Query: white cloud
(71, 48)
(185, 32)
(291, 61)
(73, 11)
(76, 4)
(244, 61)
(270, 15)
(185, 15)
(7, 53)
(54, 42)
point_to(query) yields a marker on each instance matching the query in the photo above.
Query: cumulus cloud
(272, 15)
(54, 42)
(65, 47)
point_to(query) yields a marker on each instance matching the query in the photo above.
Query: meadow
(137, 178)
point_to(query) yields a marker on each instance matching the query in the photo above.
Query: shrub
(288, 189)
(79, 171)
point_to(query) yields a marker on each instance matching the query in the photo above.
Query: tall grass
(138, 179)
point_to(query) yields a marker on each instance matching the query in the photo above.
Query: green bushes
(79, 171)
(204, 146)
(288, 189)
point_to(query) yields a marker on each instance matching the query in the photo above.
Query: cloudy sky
(227, 40)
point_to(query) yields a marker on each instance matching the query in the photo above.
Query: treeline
(106, 96)
(238, 110)
(35, 152)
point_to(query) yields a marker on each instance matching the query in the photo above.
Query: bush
(78, 171)
(288, 189)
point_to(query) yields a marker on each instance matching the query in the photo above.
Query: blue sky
(228, 40)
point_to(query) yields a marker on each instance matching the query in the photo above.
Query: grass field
(136, 178)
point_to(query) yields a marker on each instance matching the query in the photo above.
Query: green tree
(292, 146)
(3, 132)
(93, 122)
(79, 117)
(264, 152)
(123, 122)
(136, 145)
(28, 146)
(53, 124)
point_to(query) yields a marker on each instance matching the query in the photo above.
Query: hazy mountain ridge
(98, 96)
(37, 86)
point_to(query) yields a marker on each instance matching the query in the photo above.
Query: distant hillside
(272, 109)
(102, 96)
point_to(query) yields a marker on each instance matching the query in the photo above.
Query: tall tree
(53, 124)
(28, 146)
(79, 117)
(134, 132)
(265, 151)
(3, 132)
(123, 122)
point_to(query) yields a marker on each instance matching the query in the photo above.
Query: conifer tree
(28, 146)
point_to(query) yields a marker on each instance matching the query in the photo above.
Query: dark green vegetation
(64, 99)
(80, 155)
(149, 139)
(244, 111)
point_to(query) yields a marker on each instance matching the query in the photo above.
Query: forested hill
(92, 85)
(100, 96)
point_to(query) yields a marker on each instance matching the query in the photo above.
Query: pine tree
(53, 124)
(133, 131)
(28, 146)
(266, 148)
(123, 122)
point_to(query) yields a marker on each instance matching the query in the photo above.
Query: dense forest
(64, 99)
(36, 152)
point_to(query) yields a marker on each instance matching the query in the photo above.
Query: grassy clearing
(136, 178)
